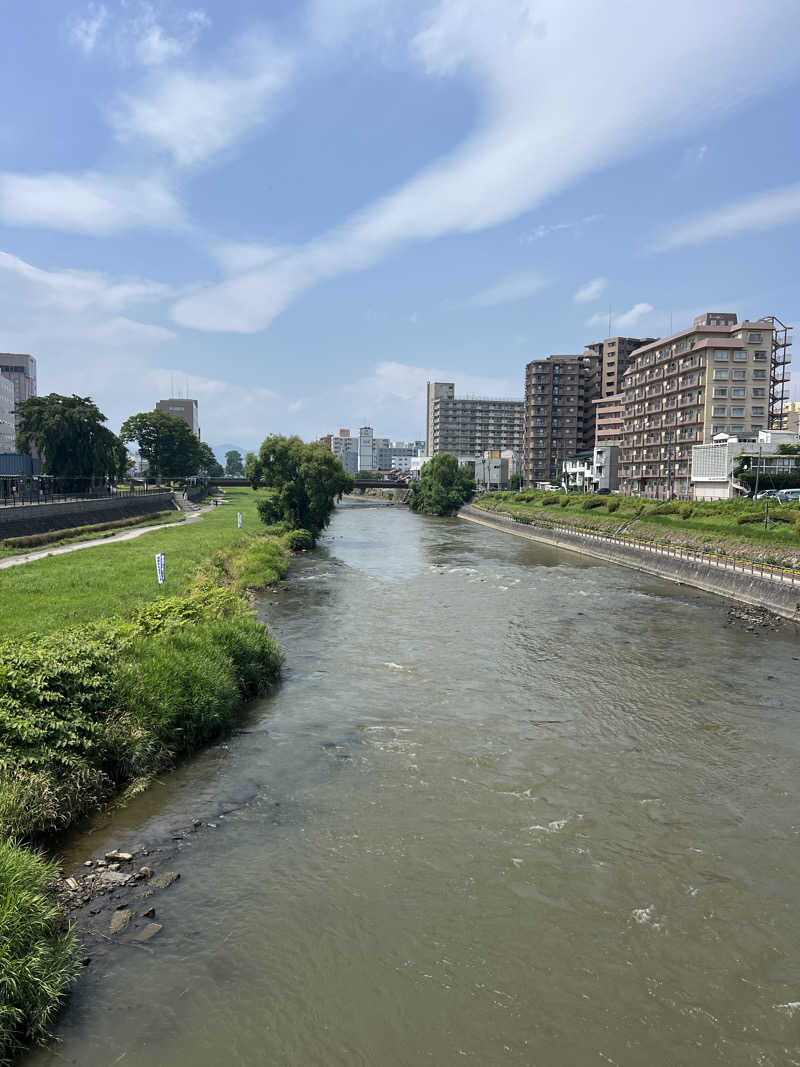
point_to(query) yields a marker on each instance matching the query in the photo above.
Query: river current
(508, 806)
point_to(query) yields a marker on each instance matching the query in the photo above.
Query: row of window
(736, 413)
(739, 373)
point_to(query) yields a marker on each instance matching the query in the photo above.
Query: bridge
(360, 483)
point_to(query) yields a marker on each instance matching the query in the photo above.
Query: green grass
(37, 958)
(712, 524)
(78, 587)
(20, 546)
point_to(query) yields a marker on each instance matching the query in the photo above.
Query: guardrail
(661, 548)
(29, 498)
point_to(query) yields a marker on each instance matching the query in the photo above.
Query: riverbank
(741, 580)
(94, 709)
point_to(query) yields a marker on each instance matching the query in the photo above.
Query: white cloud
(540, 128)
(626, 320)
(80, 290)
(85, 32)
(591, 290)
(192, 115)
(510, 289)
(236, 257)
(543, 231)
(91, 203)
(122, 331)
(765, 211)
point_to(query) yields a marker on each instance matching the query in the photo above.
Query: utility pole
(758, 467)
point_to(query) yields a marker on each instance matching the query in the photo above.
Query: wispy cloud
(573, 227)
(765, 211)
(136, 32)
(510, 289)
(92, 203)
(626, 321)
(532, 107)
(85, 30)
(591, 291)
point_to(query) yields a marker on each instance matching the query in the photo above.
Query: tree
(515, 482)
(75, 447)
(442, 488)
(166, 442)
(302, 482)
(234, 466)
(209, 464)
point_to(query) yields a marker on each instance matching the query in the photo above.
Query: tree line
(79, 451)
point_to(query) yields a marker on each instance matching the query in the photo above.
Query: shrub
(788, 515)
(591, 502)
(563, 501)
(749, 517)
(685, 510)
(299, 540)
(549, 500)
(37, 960)
(670, 507)
(613, 505)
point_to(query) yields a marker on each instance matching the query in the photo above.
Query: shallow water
(508, 806)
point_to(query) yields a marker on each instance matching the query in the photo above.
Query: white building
(713, 464)
(8, 441)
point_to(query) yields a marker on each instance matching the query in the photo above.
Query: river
(509, 806)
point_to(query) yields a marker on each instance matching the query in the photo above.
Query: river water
(509, 806)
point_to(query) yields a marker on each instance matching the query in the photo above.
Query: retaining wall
(41, 518)
(781, 597)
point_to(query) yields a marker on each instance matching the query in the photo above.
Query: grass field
(702, 525)
(79, 587)
(21, 546)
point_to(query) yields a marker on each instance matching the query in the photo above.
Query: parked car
(787, 496)
(768, 494)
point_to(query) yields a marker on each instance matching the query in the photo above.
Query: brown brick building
(559, 415)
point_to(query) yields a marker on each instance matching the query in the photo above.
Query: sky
(301, 212)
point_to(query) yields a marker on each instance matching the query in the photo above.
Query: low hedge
(299, 540)
(51, 536)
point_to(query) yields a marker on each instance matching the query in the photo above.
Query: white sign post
(161, 560)
(239, 519)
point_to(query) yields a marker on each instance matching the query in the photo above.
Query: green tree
(515, 482)
(442, 488)
(302, 482)
(74, 445)
(209, 464)
(234, 465)
(166, 442)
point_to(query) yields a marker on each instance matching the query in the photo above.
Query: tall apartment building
(182, 409)
(718, 376)
(8, 435)
(21, 370)
(616, 354)
(469, 425)
(559, 416)
(344, 447)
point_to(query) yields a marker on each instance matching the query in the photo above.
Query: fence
(29, 497)
(710, 559)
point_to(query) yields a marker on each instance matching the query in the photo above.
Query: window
(759, 392)
(740, 355)
(738, 394)
(720, 411)
(761, 356)
(755, 337)
(759, 373)
(720, 357)
(721, 372)
(720, 392)
(758, 411)
(739, 373)
(737, 413)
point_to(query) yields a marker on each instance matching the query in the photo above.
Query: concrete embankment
(42, 518)
(742, 583)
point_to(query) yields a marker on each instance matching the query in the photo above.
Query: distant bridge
(362, 483)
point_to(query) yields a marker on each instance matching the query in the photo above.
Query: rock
(149, 932)
(149, 914)
(109, 878)
(86, 961)
(120, 857)
(121, 907)
(196, 822)
(113, 866)
(87, 863)
(71, 883)
(143, 872)
(163, 881)
(102, 863)
(120, 920)
(213, 825)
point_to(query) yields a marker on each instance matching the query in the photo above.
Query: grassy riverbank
(104, 681)
(20, 546)
(734, 527)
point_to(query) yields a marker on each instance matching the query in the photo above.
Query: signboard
(161, 560)
(239, 519)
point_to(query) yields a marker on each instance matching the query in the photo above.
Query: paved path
(126, 535)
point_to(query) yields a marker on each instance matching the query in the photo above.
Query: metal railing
(29, 497)
(720, 561)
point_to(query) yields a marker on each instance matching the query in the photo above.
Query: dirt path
(126, 535)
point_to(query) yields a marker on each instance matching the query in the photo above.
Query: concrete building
(615, 355)
(791, 416)
(559, 416)
(21, 370)
(8, 436)
(605, 467)
(713, 464)
(577, 471)
(471, 425)
(182, 409)
(608, 419)
(718, 376)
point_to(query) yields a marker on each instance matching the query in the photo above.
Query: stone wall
(41, 518)
(781, 597)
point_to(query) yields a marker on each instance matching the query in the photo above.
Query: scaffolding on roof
(780, 358)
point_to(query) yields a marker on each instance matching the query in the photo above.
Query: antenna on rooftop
(609, 320)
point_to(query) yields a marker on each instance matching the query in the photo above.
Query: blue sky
(301, 212)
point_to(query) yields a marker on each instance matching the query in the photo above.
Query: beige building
(471, 425)
(608, 419)
(718, 376)
(791, 416)
(616, 355)
(182, 409)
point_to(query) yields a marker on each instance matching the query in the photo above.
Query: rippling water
(508, 806)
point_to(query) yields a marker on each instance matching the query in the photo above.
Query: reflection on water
(509, 806)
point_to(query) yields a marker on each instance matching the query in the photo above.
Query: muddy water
(508, 806)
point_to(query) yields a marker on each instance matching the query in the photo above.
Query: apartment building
(21, 371)
(471, 425)
(790, 419)
(616, 355)
(559, 415)
(345, 447)
(718, 376)
(182, 408)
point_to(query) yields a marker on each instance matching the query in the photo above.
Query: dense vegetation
(729, 525)
(89, 709)
(301, 482)
(234, 464)
(442, 488)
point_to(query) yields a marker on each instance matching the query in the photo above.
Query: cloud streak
(765, 211)
(591, 291)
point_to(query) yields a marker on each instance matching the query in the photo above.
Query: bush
(36, 960)
(613, 505)
(685, 510)
(563, 501)
(749, 517)
(670, 507)
(549, 500)
(299, 540)
(591, 502)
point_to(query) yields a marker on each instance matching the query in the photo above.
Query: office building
(718, 376)
(559, 415)
(182, 409)
(470, 425)
(21, 371)
(8, 436)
